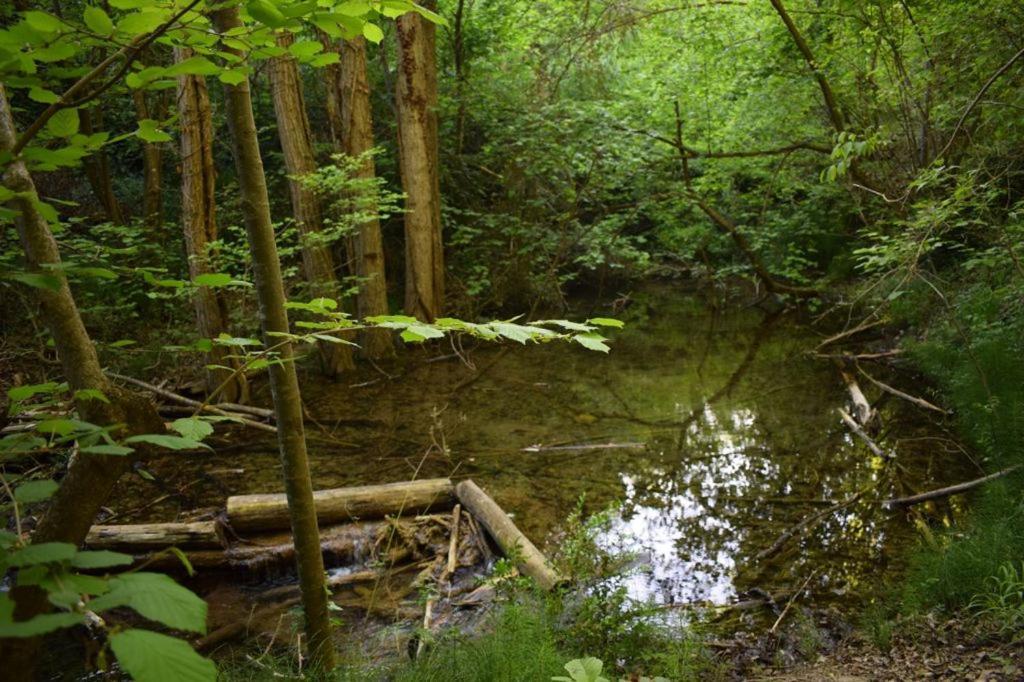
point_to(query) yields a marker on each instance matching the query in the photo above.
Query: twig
(920, 402)
(164, 393)
(872, 445)
(790, 602)
(453, 544)
(948, 490)
(849, 332)
(805, 523)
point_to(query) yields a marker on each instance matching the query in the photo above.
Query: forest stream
(708, 426)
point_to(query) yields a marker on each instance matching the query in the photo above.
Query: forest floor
(925, 649)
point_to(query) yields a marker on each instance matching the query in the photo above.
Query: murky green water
(712, 429)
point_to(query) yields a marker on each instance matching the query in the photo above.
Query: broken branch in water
(584, 446)
(805, 523)
(920, 402)
(872, 445)
(948, 490)
(861, 406)
(849, 332)
(164, 393)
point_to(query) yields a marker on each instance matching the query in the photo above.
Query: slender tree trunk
(356, 131)
(297, 145)
(199, 223)
(459, 59)
(97, 167)
(333, 100)
(152, 160)
(416, 99)
(90, 478)
(284, 382)
(835, 113)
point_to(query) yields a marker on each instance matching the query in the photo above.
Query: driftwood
(264, 512)
(511, 540)
(948, 490)
(198, 535)
(856, 428)
(584, 446)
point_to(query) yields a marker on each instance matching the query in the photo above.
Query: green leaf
(35, 491)
(156, 597)
(169, 442)
(325, 59)
(43, 553)
(152, 657)
(213, 279)
(92, 394)
(64, 123)
(100, 559)
(372, 32)
(43, 22)
(150, 132)
(20, 393)
(142, 22)
(607, 322)
(39, 625)
(36, 280)
(43, 96)
(193, 428)
(98, 21)
(114, 450)
(233, 76)
(193, 66)
(266, 12)
(305, 49)
(592, 341)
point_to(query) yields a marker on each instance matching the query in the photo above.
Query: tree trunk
(835, 114)
(97, 168)
(199, 223)
(90, 478)
(284, 382)
(152, 160)
(356, 133)
(297, 145)
(416, 100)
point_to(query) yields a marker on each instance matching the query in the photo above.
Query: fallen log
(343, 544)
(948, 490)
(143, 536)
(511, 540)
(270, 511)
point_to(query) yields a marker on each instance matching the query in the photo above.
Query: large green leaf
(98, 21)
(100, 559)
(152, 657)
(43, 553)
(157, 597)
(169, 442)
(192, 428)
(64, 123)
(35, 491)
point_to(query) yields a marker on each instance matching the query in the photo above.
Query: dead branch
(804, 524)
(920, 402)
(849, 332)
(872, 445)
(948, 490)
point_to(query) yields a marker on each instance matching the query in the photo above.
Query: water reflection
(742, 442)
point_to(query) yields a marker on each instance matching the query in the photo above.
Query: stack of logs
(432, 525)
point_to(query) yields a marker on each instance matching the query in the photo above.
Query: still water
(708, 429)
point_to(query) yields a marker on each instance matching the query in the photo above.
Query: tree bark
(297, 145)
(416, 100)
(268, 511)
(152, 160)
(284, 382)
(199, 223)
(97, 168)
(90, 478)
(356, 133)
